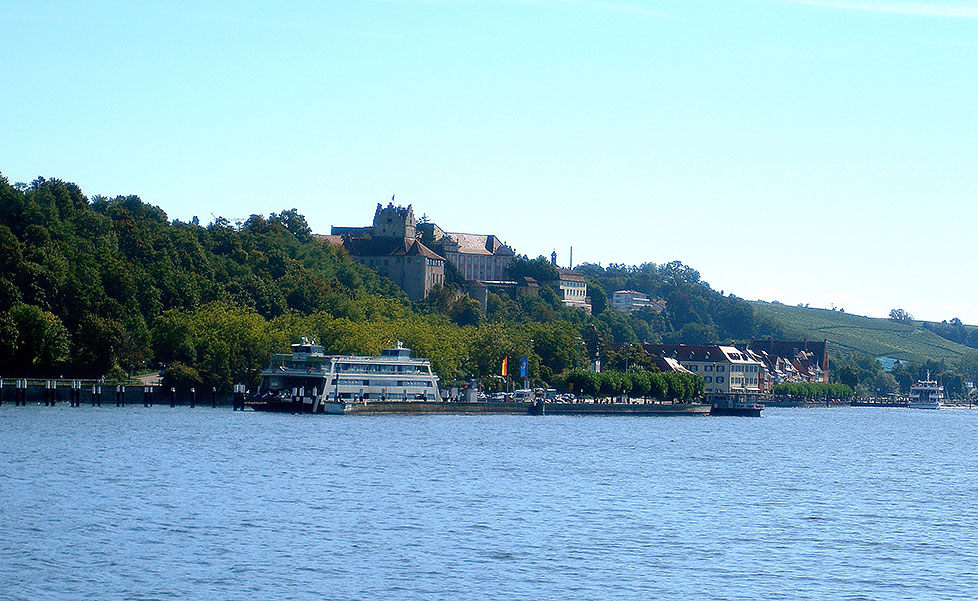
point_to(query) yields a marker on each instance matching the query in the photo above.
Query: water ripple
(161, 503)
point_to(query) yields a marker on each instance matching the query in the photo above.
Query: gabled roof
(569, 275)
(700, 352)
(337, 240)
(417, 249)
(389, 247)
(477, 244)
(670, 364)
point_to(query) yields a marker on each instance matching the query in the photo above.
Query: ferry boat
(309, 381)
(926, 394)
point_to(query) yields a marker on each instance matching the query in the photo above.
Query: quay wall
(438, 407)
(625, 409)
(522, 408)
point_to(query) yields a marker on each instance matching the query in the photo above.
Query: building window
(708, 368)
(719, 379)
(719, 368)
(709, 379)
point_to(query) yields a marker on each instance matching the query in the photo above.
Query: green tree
(540, 269)
(599, 297)
(899, 315)
(42, 341)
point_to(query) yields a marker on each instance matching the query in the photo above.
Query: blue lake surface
(161, 503)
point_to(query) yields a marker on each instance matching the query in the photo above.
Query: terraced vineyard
(868, 335)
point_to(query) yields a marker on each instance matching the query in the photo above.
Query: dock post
(98, 396)
(93, 395)
(214, 397)
(1, 392)
(173, 396)
(147, 396)
(193, 397)
(118, 395)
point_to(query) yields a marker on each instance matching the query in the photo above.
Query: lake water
(161, 503)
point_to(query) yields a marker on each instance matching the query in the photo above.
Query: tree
(849, 376)
(968, 365)
(880, 384)
(540, 269)
(292, 221)
(901, 316)
(42, 341)
(599, 298)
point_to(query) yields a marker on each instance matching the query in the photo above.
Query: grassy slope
(868, 335)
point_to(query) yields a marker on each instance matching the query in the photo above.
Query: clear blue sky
(803, 151)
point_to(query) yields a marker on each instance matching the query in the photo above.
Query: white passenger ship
(309, 381)
(926, 394)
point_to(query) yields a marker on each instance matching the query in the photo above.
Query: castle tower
(394, 222)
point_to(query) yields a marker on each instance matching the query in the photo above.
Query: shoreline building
(571, 286)
(794, 360)
(632, 300)
(729, 373)
(391, 248)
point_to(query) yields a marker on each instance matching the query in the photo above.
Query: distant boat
(736, 405)
(926, 394)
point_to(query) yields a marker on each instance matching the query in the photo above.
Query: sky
(821, 152)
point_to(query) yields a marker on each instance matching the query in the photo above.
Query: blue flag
(523, 367)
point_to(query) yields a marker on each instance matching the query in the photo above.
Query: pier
(95, 393)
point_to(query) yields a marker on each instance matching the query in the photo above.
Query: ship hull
(741, 411)
(924, 405)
